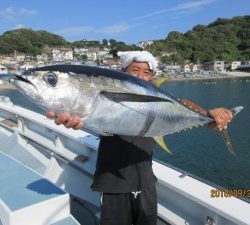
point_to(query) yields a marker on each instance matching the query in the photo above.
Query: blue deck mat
(21, 187)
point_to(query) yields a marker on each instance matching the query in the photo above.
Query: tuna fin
(131, 97)
(159, 82)
(227, 141)
(102, 133)
(160, 141)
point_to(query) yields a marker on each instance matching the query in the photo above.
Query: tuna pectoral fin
(160, 141)
(227, 141)
(131, 97)
(101, 133)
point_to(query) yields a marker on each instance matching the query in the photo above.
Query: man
(124, 172)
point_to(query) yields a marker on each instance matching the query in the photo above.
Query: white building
(235, 64)
(43, 57)
(144, 44)
(194, 68)
(186, 68)
(172, 68)
(92, 56)
(80, 51)
(57, 55)
(214, 66)
(68, 55)
(62, 54)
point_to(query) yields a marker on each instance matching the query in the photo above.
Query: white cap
(139, 56)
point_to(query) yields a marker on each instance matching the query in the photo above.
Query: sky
(130, 21)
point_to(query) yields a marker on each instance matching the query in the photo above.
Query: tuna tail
(225, 135)
(236, 110)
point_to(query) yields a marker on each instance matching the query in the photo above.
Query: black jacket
(124, 164)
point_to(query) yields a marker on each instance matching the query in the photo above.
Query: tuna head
(51, 90)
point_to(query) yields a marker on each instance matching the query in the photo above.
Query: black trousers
(137, 208)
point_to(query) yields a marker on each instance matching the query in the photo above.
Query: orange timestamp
(224, 193)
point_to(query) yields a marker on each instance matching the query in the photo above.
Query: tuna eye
(50, 78)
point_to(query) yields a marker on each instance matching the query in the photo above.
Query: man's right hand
(65, 119)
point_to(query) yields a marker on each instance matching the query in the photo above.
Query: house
(68, 55)
(144, 44)
(235, 64)
(171, 68)
(92, 56)
(186, 68)
(43, 57)
(80, 51)
(214, 66)
(62, 54)
(194, 68)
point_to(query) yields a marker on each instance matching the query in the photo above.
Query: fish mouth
(22, 79)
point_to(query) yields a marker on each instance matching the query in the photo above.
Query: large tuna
(109, 101)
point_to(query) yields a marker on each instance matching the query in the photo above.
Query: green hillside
(29, 41)
(223, 39)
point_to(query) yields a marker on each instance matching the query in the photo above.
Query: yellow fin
(160, 81)
(160, 141)
(228, 142)
(103, 133)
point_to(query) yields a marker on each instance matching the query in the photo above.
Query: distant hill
(29, 41)
(223, 39)
(36, 42)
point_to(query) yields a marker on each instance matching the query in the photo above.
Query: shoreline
(209, 78)
(7, 87)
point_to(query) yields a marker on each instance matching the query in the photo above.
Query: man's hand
(65, 119)
(221, 116)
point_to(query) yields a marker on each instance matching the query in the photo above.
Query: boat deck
(26, 197)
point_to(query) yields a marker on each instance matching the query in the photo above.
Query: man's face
(141, 70)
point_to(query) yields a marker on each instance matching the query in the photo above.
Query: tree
(105, 42)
